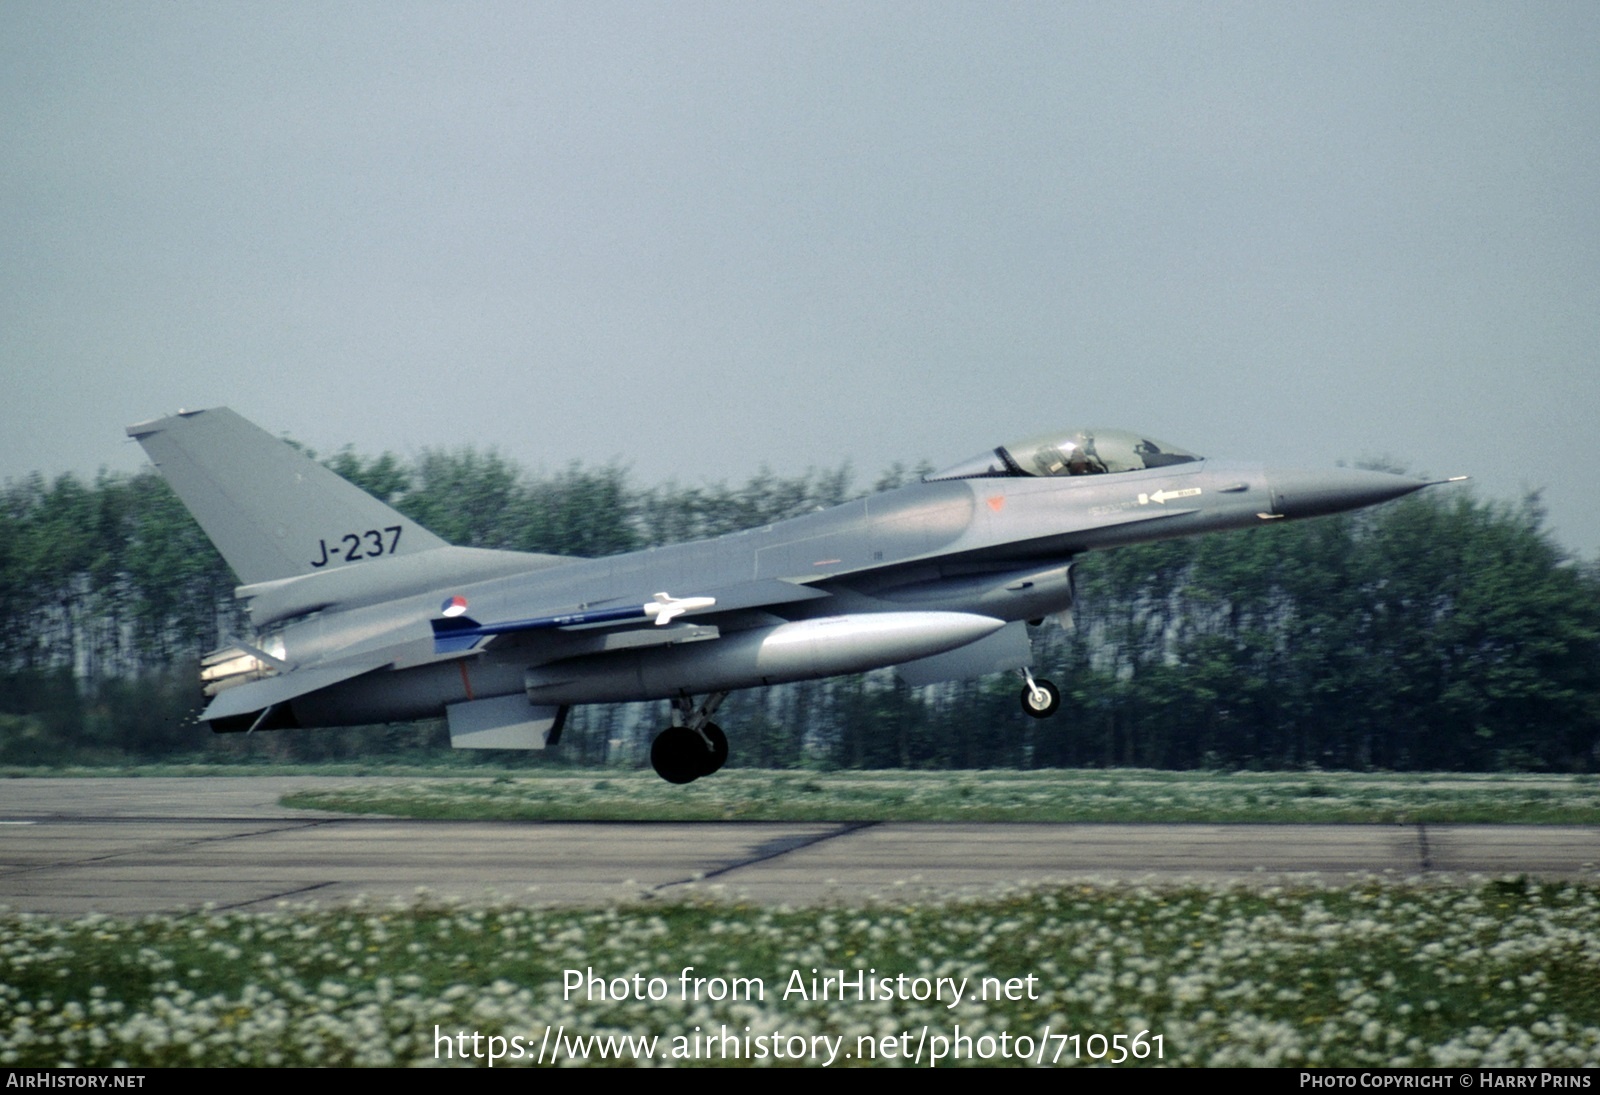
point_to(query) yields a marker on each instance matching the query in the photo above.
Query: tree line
(1437, 632)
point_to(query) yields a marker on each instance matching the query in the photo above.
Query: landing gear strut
(1039, 698)
(697, 747)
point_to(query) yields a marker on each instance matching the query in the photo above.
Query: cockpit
(1078, 452)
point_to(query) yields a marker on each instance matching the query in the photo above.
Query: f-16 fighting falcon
(361, 615)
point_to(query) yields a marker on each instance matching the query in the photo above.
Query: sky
(697, 238)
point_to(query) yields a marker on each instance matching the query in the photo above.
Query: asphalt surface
(129, 846)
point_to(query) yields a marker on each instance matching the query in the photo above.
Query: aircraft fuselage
(365, 616)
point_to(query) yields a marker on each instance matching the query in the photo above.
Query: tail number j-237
(359, 545)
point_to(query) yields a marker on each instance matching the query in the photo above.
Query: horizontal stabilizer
(254, 696)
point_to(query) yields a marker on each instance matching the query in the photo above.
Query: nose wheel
(1040, 699)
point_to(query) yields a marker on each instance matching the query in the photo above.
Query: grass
(1110, 795)
(200, 766)
(1497, 973)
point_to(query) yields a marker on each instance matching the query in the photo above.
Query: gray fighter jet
(361, 615)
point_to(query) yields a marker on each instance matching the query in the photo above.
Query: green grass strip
(1115, 795)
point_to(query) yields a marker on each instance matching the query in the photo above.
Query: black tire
(1049, 708)
(676, 755)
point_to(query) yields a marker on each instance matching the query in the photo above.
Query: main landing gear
(683, 753)
(696, 746)
(1039, 698)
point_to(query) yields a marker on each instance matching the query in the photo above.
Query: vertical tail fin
(272, 511)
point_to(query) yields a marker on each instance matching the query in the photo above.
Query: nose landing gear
(1040, 699)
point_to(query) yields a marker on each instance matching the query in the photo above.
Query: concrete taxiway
(128, 846)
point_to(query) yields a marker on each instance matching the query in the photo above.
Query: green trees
(1437, 632)
(104, 589)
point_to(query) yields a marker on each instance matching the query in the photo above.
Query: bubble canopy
(1073, 452)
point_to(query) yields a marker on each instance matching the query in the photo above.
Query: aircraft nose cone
(1298, 493)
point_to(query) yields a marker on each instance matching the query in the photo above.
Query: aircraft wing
(455, 631)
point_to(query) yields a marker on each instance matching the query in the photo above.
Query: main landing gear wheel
(672, 754)
(679, 755)
(1040, 698)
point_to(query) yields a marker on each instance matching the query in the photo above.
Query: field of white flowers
(1499, 973)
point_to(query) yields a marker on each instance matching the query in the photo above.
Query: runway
(131, 846)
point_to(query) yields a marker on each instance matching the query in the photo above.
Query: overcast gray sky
(700, 237)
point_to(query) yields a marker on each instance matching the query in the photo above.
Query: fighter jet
(362, 616)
